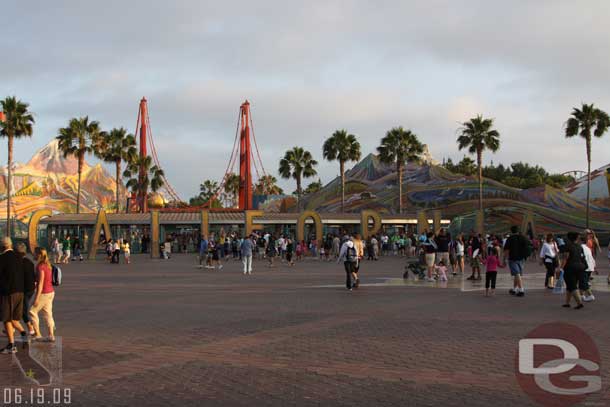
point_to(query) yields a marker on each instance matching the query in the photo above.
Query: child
(126, 252)
(299, 251)
(492, 262)
(441, 269)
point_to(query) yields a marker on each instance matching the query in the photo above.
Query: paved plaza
(165, 333)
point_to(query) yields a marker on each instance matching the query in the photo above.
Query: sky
(308, 69)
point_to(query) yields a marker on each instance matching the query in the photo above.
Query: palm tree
(231, 187)
(298, 164)
(314, 187)
(76, 140)
(342, 147)
(115, 147)
(16, 122)
(152, 179)
(584, 121)
(398, 147)
(267, 185)
(478, 135)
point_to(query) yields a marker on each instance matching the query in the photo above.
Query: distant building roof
(224, 218)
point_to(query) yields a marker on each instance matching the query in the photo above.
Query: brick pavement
(166, 333)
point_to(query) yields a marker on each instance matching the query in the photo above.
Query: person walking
(359, 246)
(549, 256)
(516, 251)
(350, 258)
(76, 249)
(290, 251)
(127, 252)
(271, 250)
(29, 282)
(574, 266)
(67, 246)
(442, 240)
(247, 248)
(584, 284)
(11, 295)
(203, 251)
(43, 299)
(492, 262)
(459, 252)
(429, 247)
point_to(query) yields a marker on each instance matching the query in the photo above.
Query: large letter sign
(301, 226)
(95, 239)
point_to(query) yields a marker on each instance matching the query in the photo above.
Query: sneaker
(512, 291)
(579, 306)
(592, 297)
(430, 280)
(220, 267)
(586, 298)
(9, 349)
(520, 294)
(249, 272)
(245, 272)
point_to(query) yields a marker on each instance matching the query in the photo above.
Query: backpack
(55, 276)
(350, 255)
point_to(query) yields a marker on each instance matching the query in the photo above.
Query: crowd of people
(26, 291)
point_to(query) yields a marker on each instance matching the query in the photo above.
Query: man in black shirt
(442, 240)
(11, 294)
(516, 251)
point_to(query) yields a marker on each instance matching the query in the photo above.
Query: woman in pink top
(43, 300)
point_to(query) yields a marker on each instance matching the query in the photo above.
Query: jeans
(28, 297)
(349, 269)
(247, 262)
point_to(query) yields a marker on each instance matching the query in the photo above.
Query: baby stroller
(415, 266)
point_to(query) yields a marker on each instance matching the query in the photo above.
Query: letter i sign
(558, 365)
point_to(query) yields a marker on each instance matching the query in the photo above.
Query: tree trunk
(480, 165)
(9, 185)
(81, 158)
(588, 179)
(399, 173)
(342, 170)
(118, 182)
(298, 178)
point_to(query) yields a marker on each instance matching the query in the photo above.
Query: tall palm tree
(267, 185)
(77, 140)
(342, 147)
(152, 179)
(478, 135)
(231, 187)
(586, 121)
(115, 147)
(398, 147)
(298, 164)
(16, 122)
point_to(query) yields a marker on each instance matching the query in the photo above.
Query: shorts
(11, 307)
(571, 279)
(430, 257)
(475, 262)
(444, 256)
(516, 267)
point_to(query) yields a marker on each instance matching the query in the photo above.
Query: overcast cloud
(309, 68)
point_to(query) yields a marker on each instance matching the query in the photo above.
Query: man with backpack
(349, 255)
(516, 250)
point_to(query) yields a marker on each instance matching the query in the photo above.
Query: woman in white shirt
(459, 252)
(548, 255)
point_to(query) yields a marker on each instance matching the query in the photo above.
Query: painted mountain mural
(50, 181)
(370, 184)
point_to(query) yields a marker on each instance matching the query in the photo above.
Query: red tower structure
(142, 119)
(245, 156)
